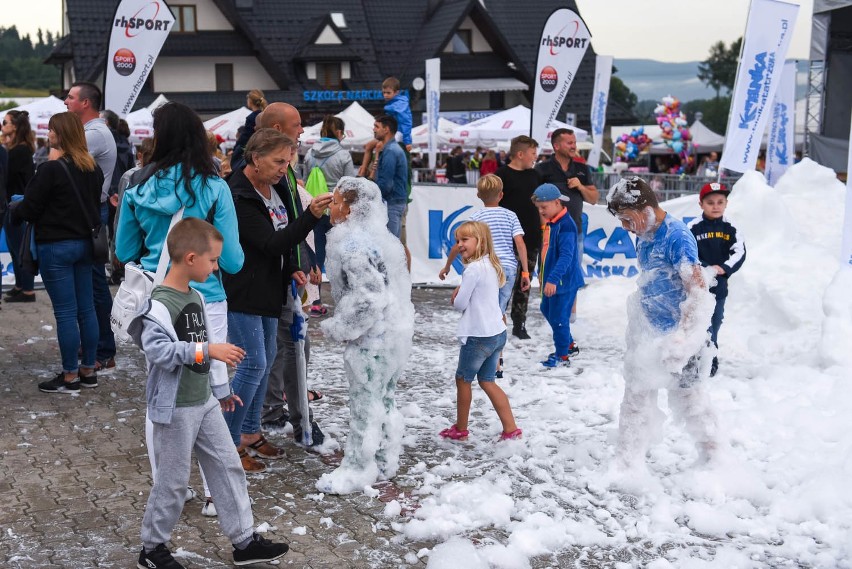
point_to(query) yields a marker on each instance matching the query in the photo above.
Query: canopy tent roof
(158, 102)
(504, 126)
(358, 126)
(226, 125)
(704, 139)
(40, 112)
(141, 123)
(420, 134)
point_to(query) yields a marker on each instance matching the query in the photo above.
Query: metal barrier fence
(667, 186)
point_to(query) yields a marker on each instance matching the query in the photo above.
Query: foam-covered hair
(364, 199)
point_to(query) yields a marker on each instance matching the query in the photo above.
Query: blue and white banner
(139, 30)
(781, 144)
(767, 38)
(437, 210)
(563, 43)
(600, 94)
(433, 106)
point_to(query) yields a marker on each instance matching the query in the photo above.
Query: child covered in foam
(667, 339)
(374, 316)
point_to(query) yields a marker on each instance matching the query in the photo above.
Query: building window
(460, 43)
(185, 21)
(224, 76)
(328, 75)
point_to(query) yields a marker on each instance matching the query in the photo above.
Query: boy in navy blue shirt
(667, 344)
(559, 272)
(721, 247)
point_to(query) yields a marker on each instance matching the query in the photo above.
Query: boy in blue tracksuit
(397, 105)
(560, 273)
(720, 246)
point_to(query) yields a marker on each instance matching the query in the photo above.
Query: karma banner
(768, 33)
(564, 40)
(139, 30)
(781, 144)
(603, 73)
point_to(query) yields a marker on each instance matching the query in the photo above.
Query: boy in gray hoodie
(185, 407)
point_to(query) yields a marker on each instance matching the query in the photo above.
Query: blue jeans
(716, 321)
(66, 270)
(557, 311)
(506, 290)
(257, 336)
(103, 304)
(478, 358)
(395, 213)
(24, 280)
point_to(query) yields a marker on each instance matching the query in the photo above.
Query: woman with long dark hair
(181, 175)
(20, 146)
(54, 201)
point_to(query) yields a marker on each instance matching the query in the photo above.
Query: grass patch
(16, 92)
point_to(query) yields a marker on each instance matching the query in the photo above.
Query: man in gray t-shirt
(85, 101)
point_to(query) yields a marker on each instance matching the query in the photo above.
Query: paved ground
(75, 473)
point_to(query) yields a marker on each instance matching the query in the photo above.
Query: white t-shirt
(478, 299)
(277, 212)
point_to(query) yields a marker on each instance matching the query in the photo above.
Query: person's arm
(454, 252)
(129, 238)
(470, 278)
(737, 251)
(405, 123)
(364, 277)
(385, 171)
(225, 220)
(522, 254)
(36, 196)
(255, 230)
(589, 191)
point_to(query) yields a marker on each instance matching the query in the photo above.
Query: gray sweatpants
(201, 428)
(282, 377)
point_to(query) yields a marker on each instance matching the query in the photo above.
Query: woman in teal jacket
(181, 174)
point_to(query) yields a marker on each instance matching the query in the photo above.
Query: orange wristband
(525, 274)
(199, 353)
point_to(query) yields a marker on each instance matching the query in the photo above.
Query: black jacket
(260, 286)
(551, 172)
(51, 202)
(719, 244)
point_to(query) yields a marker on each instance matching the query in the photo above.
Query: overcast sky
(665, 30)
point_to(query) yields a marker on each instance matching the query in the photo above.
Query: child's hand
(525, 283)
(300, 278)
(316, 276)
(229, 403)
(444, 272)
(228, 353)
(549, 289)
(453, 297)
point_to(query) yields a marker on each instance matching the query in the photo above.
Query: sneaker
(318, 310)
(209, 509)
(105, 367)
(556, 361)
(520, 332)
(160, 558)
(317, 436)
(499, 374)
(259, 550)
(714, 367)
(455, 434)
(251, 465)
(59, 385)
(191, 494)
(514, 435)
(277, 423)
(573, 349)
(88, 380)
(21, 297)
(13, 292)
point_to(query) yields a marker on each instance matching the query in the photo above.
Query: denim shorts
(478, 357)
(505, 293)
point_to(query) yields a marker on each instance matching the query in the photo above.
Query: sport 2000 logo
(124, 62)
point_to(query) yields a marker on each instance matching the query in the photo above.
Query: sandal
(313, 395)
(318, 310)
(262, 448)
(455, 434)
(250, 465)
(514, 435)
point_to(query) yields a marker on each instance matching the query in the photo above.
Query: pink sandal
(514, 435)
(454, 434)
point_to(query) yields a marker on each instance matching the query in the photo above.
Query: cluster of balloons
(673, 123)
(628, 146)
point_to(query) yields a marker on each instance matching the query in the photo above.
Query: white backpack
(136, 289)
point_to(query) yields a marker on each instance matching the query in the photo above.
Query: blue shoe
(556, 361)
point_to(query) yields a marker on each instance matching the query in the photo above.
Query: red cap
(713, 188)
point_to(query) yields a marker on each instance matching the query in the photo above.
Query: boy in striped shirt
(505, 231)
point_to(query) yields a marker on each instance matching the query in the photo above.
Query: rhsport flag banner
(780, 144)
(564, 40)
(603, 73)
(767, 38)
(433, 106)
(139, 30)
(846, 243)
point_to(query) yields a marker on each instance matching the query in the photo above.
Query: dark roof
(381, 38)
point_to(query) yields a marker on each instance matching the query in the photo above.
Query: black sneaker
(59, 385)
(317, 436)
(89, 380)
(714, 367)
(520, 332)
(160, 558)
(273, 422)
(573, 349)
(259, 550)
(21, 297)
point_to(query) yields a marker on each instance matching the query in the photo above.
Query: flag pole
(734, 90)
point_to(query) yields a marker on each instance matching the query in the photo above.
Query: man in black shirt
(519, 182)
(456, 170)
(567, 171)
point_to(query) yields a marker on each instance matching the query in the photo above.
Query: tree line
(22, 64)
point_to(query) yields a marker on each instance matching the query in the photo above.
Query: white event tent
(40, 112)
(444, 140)
(141, 123)
(502, 127)
(226, 125)
(358, 126)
